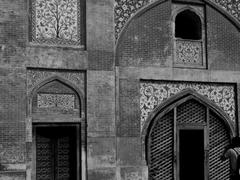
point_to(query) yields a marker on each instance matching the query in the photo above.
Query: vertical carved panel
(63, 159)
(44, 158)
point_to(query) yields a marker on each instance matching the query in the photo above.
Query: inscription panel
(64, 101)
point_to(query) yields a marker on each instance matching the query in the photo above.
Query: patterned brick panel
(147, 40)
(223, 48)
(129, 112)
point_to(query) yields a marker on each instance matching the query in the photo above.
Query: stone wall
(110, 76)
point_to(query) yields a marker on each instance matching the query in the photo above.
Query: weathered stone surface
(100, 33)
(101, 103)
(134, 173)
(129, 151)
(102, 174)
(101, 152)
(129, 120)
(12, 175)
(223, 48)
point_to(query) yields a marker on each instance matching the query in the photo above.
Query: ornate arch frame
(155, 3)
(174, 101)
(81, 119)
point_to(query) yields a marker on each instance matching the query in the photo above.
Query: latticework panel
(63, 159)
(44, 157)
(191, 112)
(161, 149)
(218, 139)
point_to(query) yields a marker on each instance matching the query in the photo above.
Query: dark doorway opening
(191, 150)
(56, 153)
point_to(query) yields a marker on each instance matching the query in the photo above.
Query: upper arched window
(188, 25)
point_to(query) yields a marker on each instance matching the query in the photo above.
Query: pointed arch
(63, 81)
(160, 134)
(146, 8)
(178, 99)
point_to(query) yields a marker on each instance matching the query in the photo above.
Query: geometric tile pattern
(62, 101)
(154, 93)
(188, 52)
(125, 9)
(56, 21)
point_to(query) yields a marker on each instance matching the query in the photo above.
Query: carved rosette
(189, 52)
(153, 94)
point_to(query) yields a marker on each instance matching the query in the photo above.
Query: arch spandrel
(173, 101)
(126, 10)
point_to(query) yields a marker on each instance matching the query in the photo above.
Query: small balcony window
(188, 25)
(189, 46)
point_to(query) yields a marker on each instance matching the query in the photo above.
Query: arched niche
(55, 98)
(56, 115)
(202, 122)
(188, 25)
(146, 39)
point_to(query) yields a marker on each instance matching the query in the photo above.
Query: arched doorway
(185, 140)
(57, 125)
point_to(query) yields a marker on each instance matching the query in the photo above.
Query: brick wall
(146, 40)
(223, 40)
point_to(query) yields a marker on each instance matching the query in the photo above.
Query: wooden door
(56, 153)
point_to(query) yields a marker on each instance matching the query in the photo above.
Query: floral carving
(153, 94)
(124, 9)
(62, 101)
(34, 77)
(188, 52)
(56, 21)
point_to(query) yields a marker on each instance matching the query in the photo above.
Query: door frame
(187, 126)
(78, 145)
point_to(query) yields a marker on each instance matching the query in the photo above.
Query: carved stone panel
(189, 53)
(56, 22)
(64, 101)
(154, 93)
(36, 76)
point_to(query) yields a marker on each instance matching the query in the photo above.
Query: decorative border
(35, 76)
(154, 93)
(53, 41)
(125, 9)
